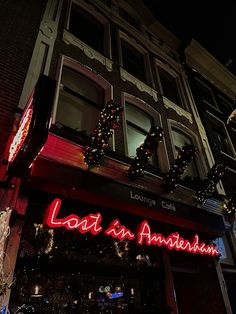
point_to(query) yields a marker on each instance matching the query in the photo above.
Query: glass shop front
(66, 270)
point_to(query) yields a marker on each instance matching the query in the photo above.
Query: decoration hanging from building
(144, 235)
(230, 205)
(4, 233)
(99, 141)
(184, 158)
(210, 182)
(144, 152)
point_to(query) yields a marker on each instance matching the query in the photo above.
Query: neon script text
(144, 236)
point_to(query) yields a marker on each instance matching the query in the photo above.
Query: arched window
(80, 101)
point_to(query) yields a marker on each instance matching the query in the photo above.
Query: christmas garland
(173, 177)
(144, 152)
(210, 182)
(109, 119)
(230, 206)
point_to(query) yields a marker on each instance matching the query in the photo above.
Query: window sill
(180, 111)
(125, 76)
(69, 39)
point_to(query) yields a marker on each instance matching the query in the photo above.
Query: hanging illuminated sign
(144, 236)
(33, 127)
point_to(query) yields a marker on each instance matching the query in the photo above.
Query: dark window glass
(87, 28)
(180, 139)
(80, 102)
(225, 106)
(169, 86)
(205, 94)
(138, 124)
(133, 61)
(222, 141)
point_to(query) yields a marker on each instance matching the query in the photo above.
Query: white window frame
(90, 9)
(200, 160)
(96, 78)
(125, 75)
(226, 133)
(140, 104)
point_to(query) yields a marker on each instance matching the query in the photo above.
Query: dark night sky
(213, 26)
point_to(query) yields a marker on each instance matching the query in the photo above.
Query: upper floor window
(170, 85)
(219, 135)
(138, 124)
(224, 106)
(79, 104)
(205, 94)
(88, 28)
(179, 140)
(133, 61)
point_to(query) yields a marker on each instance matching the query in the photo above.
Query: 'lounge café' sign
(92, 223)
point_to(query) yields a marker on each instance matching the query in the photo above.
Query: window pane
(79, 102)
(83, 86)
(138, 117)
(76, 114)
(169, 86)
(87, 28)
(180, 139)
(135, 139)
(205, 94)
(133, 61)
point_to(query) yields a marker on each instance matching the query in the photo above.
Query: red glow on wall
(91, 223)
(22, 132)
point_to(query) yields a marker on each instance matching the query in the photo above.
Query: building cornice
(202, 61)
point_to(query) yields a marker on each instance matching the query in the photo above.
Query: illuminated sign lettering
(22, 132)
(144, 236)
(33, 128)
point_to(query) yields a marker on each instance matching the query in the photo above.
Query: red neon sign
(22, 132)
(91, 223)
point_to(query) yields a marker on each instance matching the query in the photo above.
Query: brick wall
(19, 24)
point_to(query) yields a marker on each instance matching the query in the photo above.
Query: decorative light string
(144, 152)
(99, 141)
(184, 158)
(210, 182)
(230, 205)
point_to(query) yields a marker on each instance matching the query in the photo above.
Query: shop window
(170, 86)
(64, 271)
(87, 28)
(133, 61)
(79, 104)
(138, 123)
(222, 245)
(205, 94)
(179, 140)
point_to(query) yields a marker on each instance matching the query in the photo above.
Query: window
(204, 93)
(170, 86)
(138, 124)
(225, 106)
(87, 28)
(133, 61)
(179, 140)
(220, 137)
(80, 102)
